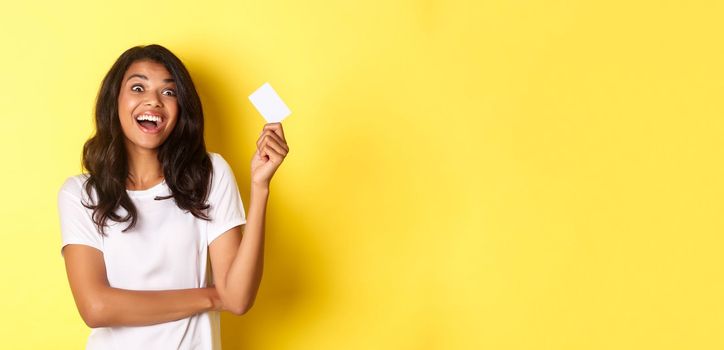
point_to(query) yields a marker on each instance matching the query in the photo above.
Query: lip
(159, 127)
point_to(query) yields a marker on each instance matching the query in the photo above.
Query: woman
(138, 228)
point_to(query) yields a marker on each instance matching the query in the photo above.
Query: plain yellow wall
(462, 175)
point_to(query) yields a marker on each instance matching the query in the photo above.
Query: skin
(236, 258)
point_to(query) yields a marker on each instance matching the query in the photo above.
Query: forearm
(245, 272)
(121, 307)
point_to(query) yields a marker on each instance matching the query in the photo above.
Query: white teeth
(152, 118)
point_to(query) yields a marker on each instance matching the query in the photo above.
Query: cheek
(125, 109)
(172, 125)
(125, 106)
(173, 111)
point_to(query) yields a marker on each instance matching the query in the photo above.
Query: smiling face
(147, 105)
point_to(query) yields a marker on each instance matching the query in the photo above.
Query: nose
(153, 100)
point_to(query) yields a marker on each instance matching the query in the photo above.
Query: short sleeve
(76, 223)
(226, 209)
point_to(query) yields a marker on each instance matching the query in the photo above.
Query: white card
(269, 104)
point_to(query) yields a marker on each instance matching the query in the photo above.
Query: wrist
(260, 188)
(213, 301)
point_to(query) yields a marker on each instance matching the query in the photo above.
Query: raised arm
(103, 306)
(237, 261)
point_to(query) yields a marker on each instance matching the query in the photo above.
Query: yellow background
(462, 175)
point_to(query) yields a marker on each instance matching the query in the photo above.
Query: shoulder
(73, 186)
(217, 159)
(223, 179)
(219, 165)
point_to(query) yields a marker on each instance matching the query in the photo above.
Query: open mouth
(149, 122)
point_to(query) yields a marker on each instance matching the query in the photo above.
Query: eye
(137, 88)
(169, 92)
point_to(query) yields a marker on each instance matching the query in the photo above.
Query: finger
(263, 134)
(281, 142)
(273, 155)
(276, 146)
(267, 136)
(262, 153)
(276, 128)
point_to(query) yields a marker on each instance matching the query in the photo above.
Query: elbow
(241, 308)
(236, 302)
(93, 314)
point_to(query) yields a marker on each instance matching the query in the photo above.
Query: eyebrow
(135, 75)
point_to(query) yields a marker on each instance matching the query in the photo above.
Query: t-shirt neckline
(147, 192)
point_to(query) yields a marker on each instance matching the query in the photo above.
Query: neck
(144, 169)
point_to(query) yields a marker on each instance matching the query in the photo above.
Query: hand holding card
(271, 147)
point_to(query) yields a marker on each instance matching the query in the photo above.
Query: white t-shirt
(167, 249)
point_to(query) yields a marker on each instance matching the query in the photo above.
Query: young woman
(140, 229)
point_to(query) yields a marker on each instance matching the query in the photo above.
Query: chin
(147, 144)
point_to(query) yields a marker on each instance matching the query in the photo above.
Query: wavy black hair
(186, 165)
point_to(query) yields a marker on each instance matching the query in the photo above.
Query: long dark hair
(186, 165)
